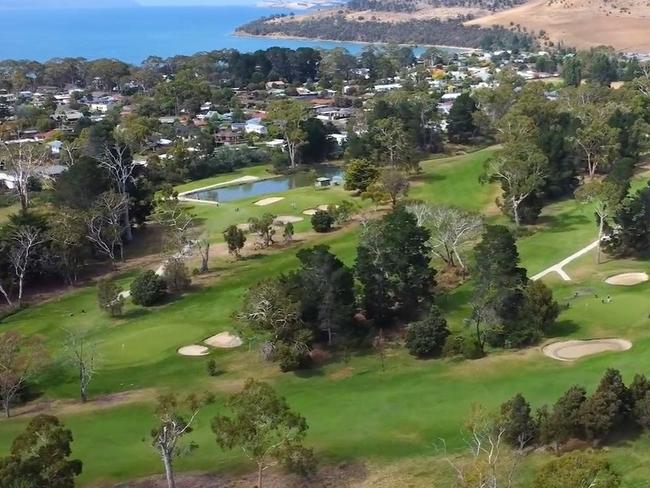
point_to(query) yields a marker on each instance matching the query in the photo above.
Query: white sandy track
(243, 179)
(268, 201)
(224, 340)
(558, 268)
(627, 279)
(576, 349)
(193, 350)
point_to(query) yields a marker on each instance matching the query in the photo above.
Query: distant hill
(624, 24)
(64, 4)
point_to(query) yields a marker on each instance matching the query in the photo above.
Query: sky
(21, 4)
(196, 2)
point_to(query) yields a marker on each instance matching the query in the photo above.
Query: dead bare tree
(105, 225)
(489, 462)
(117, 161)
(20, 358)
(451, 228)
(175, 416)
(176, 221)
(22, 161)
(70, 151)
(203, 245)
(24, 241)
(81, 353)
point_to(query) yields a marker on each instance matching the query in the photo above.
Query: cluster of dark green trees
(628, 232)
(399, 124)
(228, 65)
(392, 282)
(549, 141)
(612, 410)
(508, 309)
(428, 32)
(317, 303)
(411, 5)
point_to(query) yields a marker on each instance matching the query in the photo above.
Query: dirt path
(558, 268)
(69, 407)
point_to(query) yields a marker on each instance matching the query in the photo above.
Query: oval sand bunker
(572, 350)
(193, 350)
(627, 279)
(224, 340)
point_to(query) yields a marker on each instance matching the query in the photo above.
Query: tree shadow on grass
(564, 223)
(135, 313)
(313, 372)
(563, 328)
(252, 257)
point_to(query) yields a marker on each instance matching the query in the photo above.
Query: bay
(132, 34)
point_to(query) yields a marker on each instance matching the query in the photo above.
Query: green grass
(5, 212)
(354, 409)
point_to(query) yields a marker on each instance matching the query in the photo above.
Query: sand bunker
(572, 350)
(224, 340)
(325, 208)
(193, 350)
(285, 219)
(310, 211)
(627, 279)
(268, 201)
(244, 227)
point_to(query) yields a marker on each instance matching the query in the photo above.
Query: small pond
(279, 184)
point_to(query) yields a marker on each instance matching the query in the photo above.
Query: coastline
(238, 33)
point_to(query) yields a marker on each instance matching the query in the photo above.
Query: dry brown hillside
(623, 24)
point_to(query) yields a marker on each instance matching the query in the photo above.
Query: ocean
(132, 34)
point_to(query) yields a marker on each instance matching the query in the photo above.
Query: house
(101, 106)
(304, 92)
(387, 87)
(227, 137)
(66, 114)
(255, 126)
(48, 173)
(275, 85)
(275, 144)
(450, 97)
(168, 120)
(55, 147)
(340, 139)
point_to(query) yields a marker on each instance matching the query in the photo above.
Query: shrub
(453, 346)
(290, 358)
(322, 221)
(235, 239)
(577, 470)
(519, 426)
(427, 337)
(472, 350)
(288, 232)
(211, 367)
(341, 212)
(109, 298)
(176, 276)
(148, 289)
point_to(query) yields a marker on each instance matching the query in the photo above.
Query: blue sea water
(132, 34)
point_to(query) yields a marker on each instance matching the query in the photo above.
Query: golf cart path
(558, 268)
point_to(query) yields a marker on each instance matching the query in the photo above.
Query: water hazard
(279, 184)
